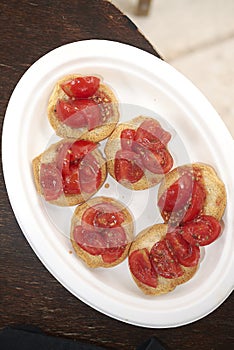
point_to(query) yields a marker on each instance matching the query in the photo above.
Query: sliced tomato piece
(71, 181)
(89, 174)
(50, 181)
(197, 202)
(187, 254)
(89, 240)
(80, 149)
(127, 137)
(128, 166)
(112, 254)
(158, 162)
(150, 133)
(177, 195)
(103, 215)
(202, 230)
(81, 87)
(115, 242)
(72, 112)
(79, 113)
(164, 261)
(140, 266)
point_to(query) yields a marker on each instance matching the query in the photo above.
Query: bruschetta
(101, 232)
(137, 154)
(83, 107)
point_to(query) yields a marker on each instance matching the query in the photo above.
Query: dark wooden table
(29, 294)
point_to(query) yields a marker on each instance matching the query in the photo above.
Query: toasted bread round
(113, 144)
(109, 108)
(215, 202)
(146, 239)
(95, 261)
(49, 156)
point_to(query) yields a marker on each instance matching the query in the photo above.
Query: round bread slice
(113, 144)
(146, 239)
(215, 202)
(95, 261)
(49, 156)
(108, 104)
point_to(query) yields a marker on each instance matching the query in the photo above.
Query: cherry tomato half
(201, 231)
(81, 87)
(140, 266)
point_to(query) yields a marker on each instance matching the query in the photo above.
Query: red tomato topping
(140, 266)
(51, 181)
(128, 166)
(81, 87)
(89, 174)
(158, 162)
(71, 181)
(183, 200)
(79, 113)
(91, 241)
(149, 134)
(177, 195)
(127, 137)
(164, 261)
(103, 215)
(187, 254)
(79, 149)
(112, 254)
(201, 231)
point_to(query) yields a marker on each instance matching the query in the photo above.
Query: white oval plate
(141, 79)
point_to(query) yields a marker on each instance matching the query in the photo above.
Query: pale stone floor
(197, 38)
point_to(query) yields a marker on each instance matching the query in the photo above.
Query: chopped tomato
(89, 174)
(81, 148)
(187, 254)
(127, 137)
(79, 113)
(51, 181)
(164, 261)
(81, 87)
(150, 133)
(201, 231)
(128, 166)
(71, 181)
(90, 241)
(103, 215)
(140, 266)
(158, 162)
(112, 254)
(197, 202)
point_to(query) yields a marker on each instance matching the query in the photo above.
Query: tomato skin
(51, 181)
(128, 166)
(164, 261)
(89, 240)
(187, 254)
(110, 255)
(127, 139)
(80, 149)
(201, 231)
(81, 87)
(140, 266)
(71, 181)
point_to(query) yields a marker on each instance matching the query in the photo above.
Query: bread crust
(216, 199)
(109, 104)
(49, 156)
(94, 261)
(114, 144)
(146, 239)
